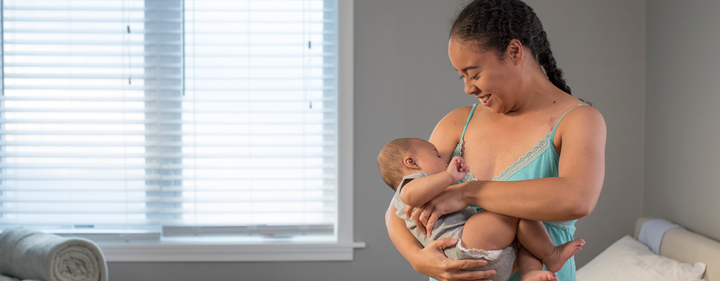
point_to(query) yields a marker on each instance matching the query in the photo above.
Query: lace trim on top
(468, 177)
(526, 159)
(459, 152)
(459, 149)
(564, 225)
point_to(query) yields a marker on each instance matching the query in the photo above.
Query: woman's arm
(430, 260)
(572, 195)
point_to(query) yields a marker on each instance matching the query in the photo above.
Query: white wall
(682, 140)
(404, 84)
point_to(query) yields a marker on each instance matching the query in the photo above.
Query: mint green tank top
(539, 162)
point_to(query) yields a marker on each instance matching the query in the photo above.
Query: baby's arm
(419, 191)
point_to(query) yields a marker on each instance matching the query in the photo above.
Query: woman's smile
(484, 99)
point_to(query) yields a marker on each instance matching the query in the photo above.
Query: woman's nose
(470, 89)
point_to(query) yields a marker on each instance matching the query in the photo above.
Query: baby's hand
(457, 168)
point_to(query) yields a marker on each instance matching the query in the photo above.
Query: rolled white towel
(30, 254)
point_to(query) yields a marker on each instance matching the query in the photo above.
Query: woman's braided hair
(491, 24)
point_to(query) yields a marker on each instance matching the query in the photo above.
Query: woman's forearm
(401, 237)
(545, 199)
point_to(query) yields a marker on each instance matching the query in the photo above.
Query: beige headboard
(689, 247)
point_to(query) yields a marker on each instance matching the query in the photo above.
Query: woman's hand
(448, 201)
(432, 262)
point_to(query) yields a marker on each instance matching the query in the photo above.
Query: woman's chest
(490, 152)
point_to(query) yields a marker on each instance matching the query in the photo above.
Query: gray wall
(404, 84)
(600, 45)
(682, 139)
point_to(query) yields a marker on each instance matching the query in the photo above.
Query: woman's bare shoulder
(582, 120)
(446, 134)
(585, 114)
(455, 118)
(453, 123)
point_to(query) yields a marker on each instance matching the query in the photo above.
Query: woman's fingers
(416, 218)
(431, 222)
(427, 211)
(457, 272)
(446, 202)
(408, 212)
(442, 268)
(472, 275)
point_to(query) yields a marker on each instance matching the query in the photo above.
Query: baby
(414, 169)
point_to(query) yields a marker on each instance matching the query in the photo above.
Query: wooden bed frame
(689, 247)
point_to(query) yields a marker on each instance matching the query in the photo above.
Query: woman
(536, 151)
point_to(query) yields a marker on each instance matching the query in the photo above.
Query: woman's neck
(536, 94)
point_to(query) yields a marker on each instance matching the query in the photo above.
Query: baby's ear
(410, 163)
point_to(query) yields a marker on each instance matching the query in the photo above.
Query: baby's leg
(535, 238)
(489, 231)
(531, 268)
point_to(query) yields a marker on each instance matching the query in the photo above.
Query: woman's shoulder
(582, 113)
(457, 117)
(582, 118)
(448, 130)
(454, 121)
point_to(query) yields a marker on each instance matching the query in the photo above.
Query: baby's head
(402, 157)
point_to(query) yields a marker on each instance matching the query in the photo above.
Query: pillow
(628, 259)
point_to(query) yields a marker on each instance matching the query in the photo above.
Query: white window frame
(283, 250)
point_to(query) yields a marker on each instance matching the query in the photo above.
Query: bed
(683, 255)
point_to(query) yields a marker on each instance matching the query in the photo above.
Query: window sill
(224, 251)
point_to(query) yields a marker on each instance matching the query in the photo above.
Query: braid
(546, 59)
(492, 24)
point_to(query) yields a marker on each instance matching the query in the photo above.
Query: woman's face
(486, 77)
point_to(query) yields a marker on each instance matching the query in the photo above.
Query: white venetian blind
(169, 117)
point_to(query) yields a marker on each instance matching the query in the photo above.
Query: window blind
(151, 118)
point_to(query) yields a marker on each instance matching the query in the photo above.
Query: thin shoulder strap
(462, 137)
(460, 148)
(561, 117)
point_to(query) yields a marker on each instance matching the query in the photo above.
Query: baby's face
(428, 158)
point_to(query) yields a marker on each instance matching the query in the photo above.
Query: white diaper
(479, 253)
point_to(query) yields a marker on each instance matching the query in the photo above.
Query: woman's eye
(476, 76)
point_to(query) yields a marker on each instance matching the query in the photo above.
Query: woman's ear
(410, 163)
(515, 51)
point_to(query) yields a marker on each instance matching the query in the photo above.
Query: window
(147, 123)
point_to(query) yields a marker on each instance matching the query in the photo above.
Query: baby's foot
(555, 261)
(539, 275)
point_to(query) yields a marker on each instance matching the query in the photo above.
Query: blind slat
(249, 230)
(149, 188)
(166, 144)
(150, 177)
(149, 211)
(287, 188)
(305, 199)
